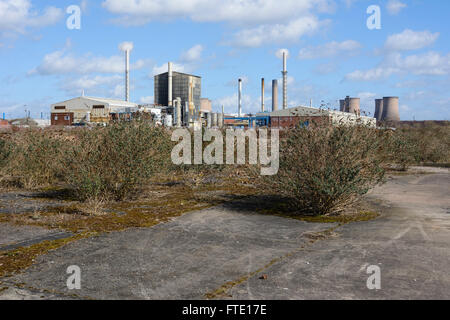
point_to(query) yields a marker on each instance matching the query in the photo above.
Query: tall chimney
(262, 95)
(170, 80)
(127, 75)
(127, 47)
(274, 95)
(284, 72)
(240, 98)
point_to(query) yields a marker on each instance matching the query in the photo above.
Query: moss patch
(19, 259)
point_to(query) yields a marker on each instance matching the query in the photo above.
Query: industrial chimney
(390, 109)
(262, 95)
(240, 98)
(284, 73)
(127, 47)
(274, 95)
(378, 109)
(170, 83)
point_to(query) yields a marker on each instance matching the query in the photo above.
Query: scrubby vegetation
(112, 162)
(325, 169)
(322, 170)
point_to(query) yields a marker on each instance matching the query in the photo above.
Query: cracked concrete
(201, 251)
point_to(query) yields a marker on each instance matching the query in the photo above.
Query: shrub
(5, 152)
(111, 163)
(322, 170)
(35, 158)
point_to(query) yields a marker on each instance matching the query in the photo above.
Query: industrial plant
(178, 102)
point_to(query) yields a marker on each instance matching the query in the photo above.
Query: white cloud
(278, 33)
(395, 6)
(279, 53)
(91, 84)
(62, 62)
(430, 63)
(410, 40)
(334, 48)
(242, 12)
(18, 15)
(260, 22)
(193, 54)
(126, 46)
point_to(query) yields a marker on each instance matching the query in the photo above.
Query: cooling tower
(354, 105)
(390, 109)
(378, 109)
(342, 105)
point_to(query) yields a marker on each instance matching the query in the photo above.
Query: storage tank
(354, 105)
(390, 109)
(168, 121)
(378, 109)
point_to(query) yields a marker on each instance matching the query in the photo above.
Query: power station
(178, 102)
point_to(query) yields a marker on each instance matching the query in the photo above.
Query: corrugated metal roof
(114, 102)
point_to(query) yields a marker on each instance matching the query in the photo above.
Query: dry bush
(112, 162)
(430, 144)
(324, 169)
(33, 158)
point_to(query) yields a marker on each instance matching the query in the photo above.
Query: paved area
(12, 236)
(410, 244)
(200, 252)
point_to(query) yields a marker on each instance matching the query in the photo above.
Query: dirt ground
(231, 251)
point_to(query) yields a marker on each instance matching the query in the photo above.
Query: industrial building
(90, 110)
(178, 101)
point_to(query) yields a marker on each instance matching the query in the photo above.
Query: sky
(334, 51)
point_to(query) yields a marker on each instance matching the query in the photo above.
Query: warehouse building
(89, 110)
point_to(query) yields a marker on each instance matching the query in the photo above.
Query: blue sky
(332, 53)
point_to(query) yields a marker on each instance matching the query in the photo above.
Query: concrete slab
(183, 259)
(410, 244)
(201, 251)
(12, 236)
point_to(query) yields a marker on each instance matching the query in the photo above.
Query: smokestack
(127, 47)
(262, 95)
(240, 98)
(127, 75)
(274, 95)
(284, 72)
(170, 80)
